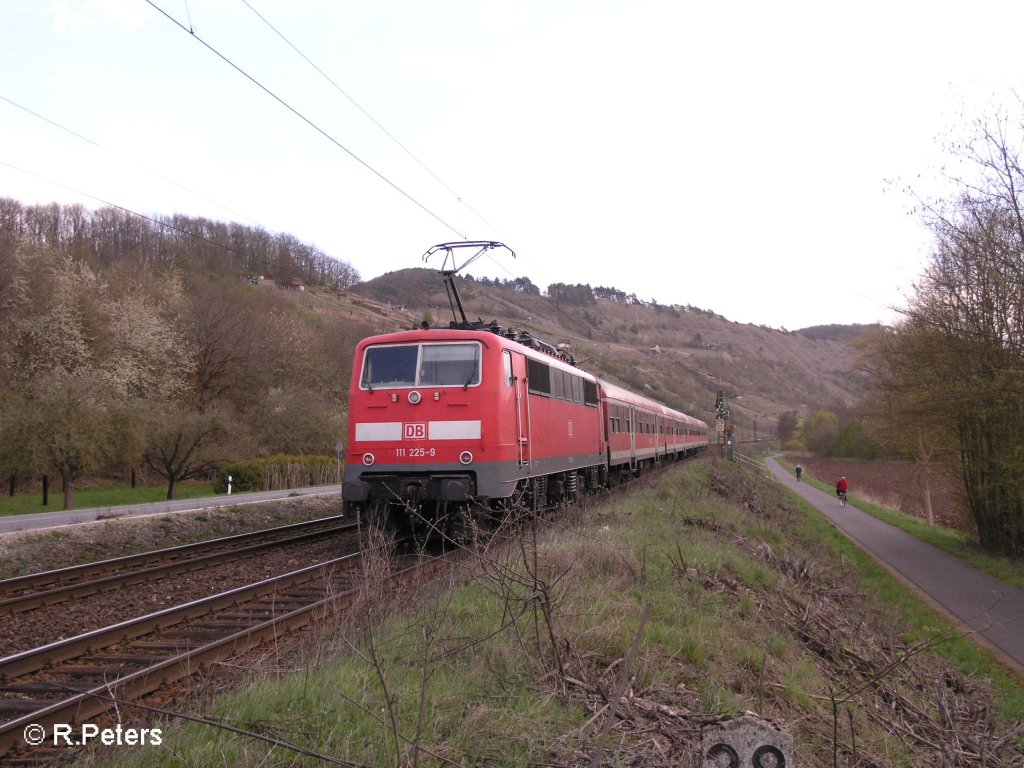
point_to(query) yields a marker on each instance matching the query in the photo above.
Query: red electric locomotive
(451, 426)
(442, 418)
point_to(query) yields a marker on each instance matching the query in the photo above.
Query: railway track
(76, 680)
(37, 590)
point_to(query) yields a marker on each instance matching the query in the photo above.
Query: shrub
(277, 473)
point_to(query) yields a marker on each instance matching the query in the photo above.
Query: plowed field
(896, 484)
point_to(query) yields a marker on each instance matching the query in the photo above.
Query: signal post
(723, 425)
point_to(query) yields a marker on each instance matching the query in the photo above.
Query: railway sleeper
(46, 686)
(216, 625)
(174, 648)
(102, 673)
(193, 634)
(133, 659)
(23, 705)
(284, 605)
(306, 594)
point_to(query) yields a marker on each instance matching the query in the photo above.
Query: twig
(623, 681)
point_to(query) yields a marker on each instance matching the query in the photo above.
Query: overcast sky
(732, 156)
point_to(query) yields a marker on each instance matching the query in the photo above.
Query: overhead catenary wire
(371, 118)
(45, 119)
(87, 140)
(97, 145)
(103, 201)
(461, 202)
(244, 255)
(306, 120)
(122, 208)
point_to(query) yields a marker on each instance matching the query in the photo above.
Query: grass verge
(88, 498)
(703, 592)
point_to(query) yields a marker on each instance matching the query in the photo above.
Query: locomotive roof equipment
(449, 276)
(450, 268)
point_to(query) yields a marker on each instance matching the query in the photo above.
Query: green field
(87, 498)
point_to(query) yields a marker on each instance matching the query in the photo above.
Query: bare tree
(184, 444)
(224, 338)
(906, 411)
(963, 334)
(76, 427)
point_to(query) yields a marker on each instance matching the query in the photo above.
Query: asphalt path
(981, 602)
(59, 518)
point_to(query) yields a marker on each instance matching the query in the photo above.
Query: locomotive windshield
(422, 365)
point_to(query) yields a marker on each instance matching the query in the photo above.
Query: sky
(748, 157)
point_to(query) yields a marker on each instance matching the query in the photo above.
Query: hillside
(678, 355)
(144, 333)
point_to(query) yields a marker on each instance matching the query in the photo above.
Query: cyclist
(841, 488)
(799, 472)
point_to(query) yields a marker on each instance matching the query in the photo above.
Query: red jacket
(842, 486)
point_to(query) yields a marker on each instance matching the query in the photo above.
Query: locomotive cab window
(390, 366)
(418, 365)
(450, 365)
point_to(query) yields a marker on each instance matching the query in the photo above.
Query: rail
(39, 589)
(172, 644)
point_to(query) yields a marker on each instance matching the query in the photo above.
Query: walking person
(799, 472)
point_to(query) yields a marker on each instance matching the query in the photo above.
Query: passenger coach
(641, 431)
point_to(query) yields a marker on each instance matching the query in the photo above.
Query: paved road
(979, 601)
(58, 518)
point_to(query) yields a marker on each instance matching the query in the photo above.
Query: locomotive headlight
(466, 457)
(369, 459)
(414, 397)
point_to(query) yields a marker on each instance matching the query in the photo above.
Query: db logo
(415, 430)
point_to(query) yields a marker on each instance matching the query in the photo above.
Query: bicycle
(842, 498)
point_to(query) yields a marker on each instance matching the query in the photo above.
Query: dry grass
(623, 631)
